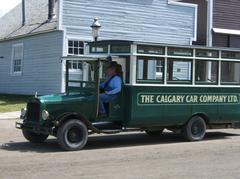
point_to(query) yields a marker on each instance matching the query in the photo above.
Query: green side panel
(115, 109)
(169, 106)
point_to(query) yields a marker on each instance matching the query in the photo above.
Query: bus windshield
(80, 74)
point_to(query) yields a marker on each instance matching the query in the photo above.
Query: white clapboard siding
(41, 65)
(137, 20)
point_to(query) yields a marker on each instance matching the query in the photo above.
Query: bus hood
(66, 97)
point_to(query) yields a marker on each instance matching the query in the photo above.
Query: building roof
(36, 20)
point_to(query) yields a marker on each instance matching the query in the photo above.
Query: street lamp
(95, 29)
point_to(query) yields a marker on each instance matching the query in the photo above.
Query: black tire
(34, 137)
(154, 133)
(195, 129)
(72, 135)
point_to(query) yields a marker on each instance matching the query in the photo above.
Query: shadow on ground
(111, 141)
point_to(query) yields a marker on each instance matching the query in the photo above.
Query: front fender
(72, 115)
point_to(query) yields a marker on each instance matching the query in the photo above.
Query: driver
(111, 87)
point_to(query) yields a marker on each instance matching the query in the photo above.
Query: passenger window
(230, 73)
(179, 71)
(150, 69)
(206, 72)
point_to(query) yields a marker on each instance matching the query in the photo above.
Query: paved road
(128, 156)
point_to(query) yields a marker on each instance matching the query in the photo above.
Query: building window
(75, 65)
(206, 72)
(159, 66)
(75, 47)
(17, 59)
(150, 69)
(179, 71)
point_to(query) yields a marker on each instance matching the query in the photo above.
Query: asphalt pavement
(10, 115)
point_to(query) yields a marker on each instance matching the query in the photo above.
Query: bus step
(236, 125)
(107, 125)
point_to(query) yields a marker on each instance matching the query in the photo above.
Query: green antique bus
(185, 89)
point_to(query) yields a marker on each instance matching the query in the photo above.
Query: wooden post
(67, 74)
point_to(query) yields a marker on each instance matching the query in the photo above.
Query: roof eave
(28, 35)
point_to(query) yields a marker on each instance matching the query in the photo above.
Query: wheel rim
(74, 136)
(197, 129)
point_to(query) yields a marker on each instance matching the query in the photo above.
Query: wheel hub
(197, 128)
(74, 135)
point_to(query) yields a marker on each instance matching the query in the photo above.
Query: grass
(10, 103)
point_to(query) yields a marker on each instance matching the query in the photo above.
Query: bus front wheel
(195, 129)
(72, 135)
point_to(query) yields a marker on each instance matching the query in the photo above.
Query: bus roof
(127, 42)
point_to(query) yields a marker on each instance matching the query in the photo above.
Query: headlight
(23, 112)
(45, 115)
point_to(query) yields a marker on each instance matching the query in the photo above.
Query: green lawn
(9, 102)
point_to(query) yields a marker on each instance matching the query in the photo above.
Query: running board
(236, 125)
(106, 125)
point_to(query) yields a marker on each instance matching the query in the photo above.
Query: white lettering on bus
(170, 99)
(232, 99)
(147, 98)
(191, 98)
(164, 99)
(212, 99)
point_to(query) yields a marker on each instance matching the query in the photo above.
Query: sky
(7, 5)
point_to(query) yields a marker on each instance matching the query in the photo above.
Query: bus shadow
(111, 141)
(140, 139)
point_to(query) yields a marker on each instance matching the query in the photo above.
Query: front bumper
(34, 128)
(19, 124)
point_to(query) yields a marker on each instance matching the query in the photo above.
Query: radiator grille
(33, 111)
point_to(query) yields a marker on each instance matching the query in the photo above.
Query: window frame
(181, 54)
(146, 49)
(103, 46)
(228, 83)
(120, 46)
(197, 51)
(206, 83)
(17, 73)
(149, 81)
(73, 40)
(225, 53)
(184, 82)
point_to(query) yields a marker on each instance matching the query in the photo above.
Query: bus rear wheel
(72, 135)
(154, 132)
(195, 129)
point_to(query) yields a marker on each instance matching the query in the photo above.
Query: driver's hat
(112, 64)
